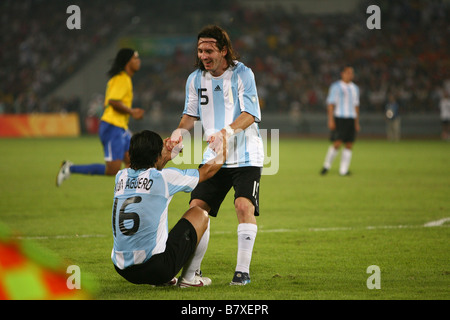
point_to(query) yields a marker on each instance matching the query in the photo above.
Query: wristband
(229, 130)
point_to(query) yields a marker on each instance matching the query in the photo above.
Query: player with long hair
(113, 130)
(222, 93)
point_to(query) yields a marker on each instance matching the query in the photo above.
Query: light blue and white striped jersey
(139, 214)
(218, 101)
(345, 98)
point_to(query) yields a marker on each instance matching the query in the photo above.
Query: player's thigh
(115, 141)
(246, 184)
(348, 131)
(213, 191)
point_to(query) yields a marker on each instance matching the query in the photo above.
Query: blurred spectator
(35, 54)
(444, 106)
(294, 56)
(393, 121)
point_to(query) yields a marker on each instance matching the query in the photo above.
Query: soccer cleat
(240, 279)
(171, 283)
(198, 281)
(324, 171)
(348, 173)
(63, 173)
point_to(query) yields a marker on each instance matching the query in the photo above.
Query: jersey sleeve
(119, 88)
(332, 94)
(248, 94)
(180, 180)
(356, 103)
(191, 105)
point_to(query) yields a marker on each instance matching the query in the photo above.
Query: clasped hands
(216, 142)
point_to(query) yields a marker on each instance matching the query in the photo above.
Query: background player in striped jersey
(343, 120)
(221, 93)
(144, 251)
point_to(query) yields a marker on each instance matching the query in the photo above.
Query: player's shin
(346, 158)
(331, 154)
(194, 264)
(246, 240)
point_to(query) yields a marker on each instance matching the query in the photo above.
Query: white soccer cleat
(63, 173)
(198, 281)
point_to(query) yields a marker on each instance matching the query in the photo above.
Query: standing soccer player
(343, 120)
(113, 130)
(222, 94)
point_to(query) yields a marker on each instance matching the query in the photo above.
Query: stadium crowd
(294, 56)
(38, 51)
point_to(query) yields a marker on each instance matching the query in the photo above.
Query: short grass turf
(317, 234)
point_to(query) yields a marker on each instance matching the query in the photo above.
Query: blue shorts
(115, 140)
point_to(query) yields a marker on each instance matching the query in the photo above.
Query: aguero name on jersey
(345, 98)
(218, 101)
(139, 214)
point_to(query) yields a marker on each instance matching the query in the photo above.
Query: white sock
(331, 154)
(346, 158)
(195, 261)
(246, 239)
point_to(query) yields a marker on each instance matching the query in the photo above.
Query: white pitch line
(366, 228)
(73, 236)
(259, 230)
(436, 223)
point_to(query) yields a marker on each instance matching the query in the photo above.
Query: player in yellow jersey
(113, 130)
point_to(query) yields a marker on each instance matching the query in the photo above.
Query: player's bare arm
(119, 106)
(357, 126)
(168, 153)
(186, 123)
(330, 112)
(241, 123)
(211, 167)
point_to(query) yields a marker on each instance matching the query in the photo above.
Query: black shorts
(244, 180)
(345, 130)
(162, 267)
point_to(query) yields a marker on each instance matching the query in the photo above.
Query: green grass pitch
(317, 234)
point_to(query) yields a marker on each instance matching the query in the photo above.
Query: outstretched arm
(168, 153)
(241, 123)
(212, 166)
(119, 106)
